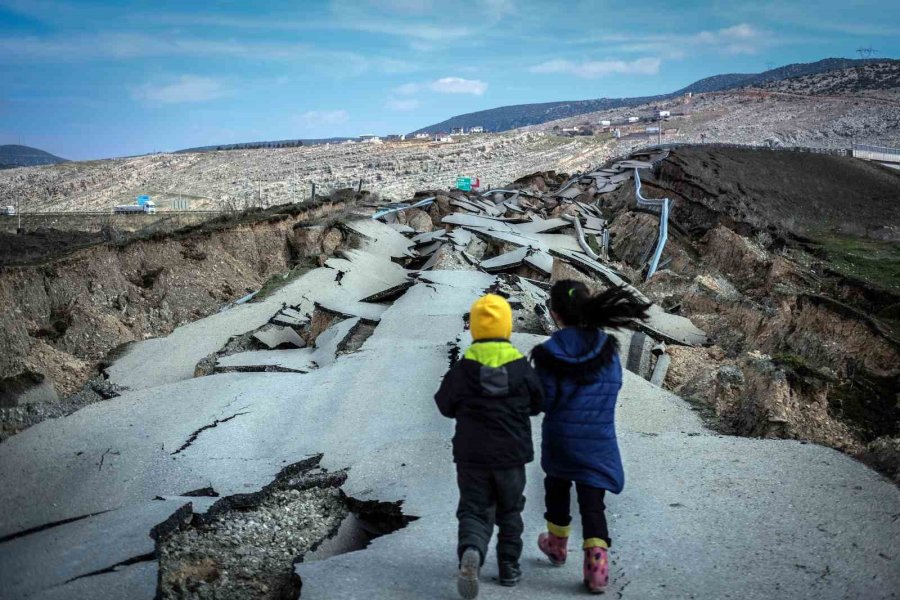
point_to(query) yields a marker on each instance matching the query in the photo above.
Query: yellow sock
(559, 530)
(594, 543)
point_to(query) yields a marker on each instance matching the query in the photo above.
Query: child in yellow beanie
(492, 393)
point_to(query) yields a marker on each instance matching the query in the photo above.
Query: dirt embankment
(65, 314)
(802, 349)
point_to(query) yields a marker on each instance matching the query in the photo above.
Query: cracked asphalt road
(702, 516)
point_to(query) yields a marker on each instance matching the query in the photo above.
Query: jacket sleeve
(548, 384)
(535, 390)
(447, 396)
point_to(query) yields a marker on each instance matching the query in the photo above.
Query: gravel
(249, 553)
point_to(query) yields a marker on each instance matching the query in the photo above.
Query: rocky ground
(242, 178)
(805, 337)
(832, 110)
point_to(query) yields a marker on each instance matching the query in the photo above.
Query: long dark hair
(614, 308)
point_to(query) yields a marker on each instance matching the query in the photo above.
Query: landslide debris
(73, 303)
(805, 329)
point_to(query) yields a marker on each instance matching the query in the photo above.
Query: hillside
(875, 77)
(13, 155)
(521, 115)
(215, 180)
(787, 113)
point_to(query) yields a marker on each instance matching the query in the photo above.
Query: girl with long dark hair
(581, 374)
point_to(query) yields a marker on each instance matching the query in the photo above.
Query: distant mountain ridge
(521, 115)
(14, 155)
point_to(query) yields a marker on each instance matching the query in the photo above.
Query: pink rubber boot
(555, 547)
(596, 568)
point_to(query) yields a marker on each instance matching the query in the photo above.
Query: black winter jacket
(492, 393)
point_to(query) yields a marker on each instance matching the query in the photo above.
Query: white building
(442, 137)
(633, 119)
(664, 114)
(476, 129)
(605, 123)
(370, 138)
(422, 136)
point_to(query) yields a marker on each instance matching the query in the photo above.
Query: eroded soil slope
(761, 257)
(72, 303)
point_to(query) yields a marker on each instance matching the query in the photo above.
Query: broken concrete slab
(137, 581)
(477, 221)
(70, 552)
(673, 328)
(379, 238)
(505, 261)
(299, 360)
(540, 241)
(540, 260)
(273, 337)
(287, 321)
(428, 237)
(469, 279)
(603, 271)
(460, 237)
(539, 225)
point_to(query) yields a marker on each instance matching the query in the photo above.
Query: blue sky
(85, 79)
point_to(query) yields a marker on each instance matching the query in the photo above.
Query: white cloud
(458, 85)
(444, 85)
(319, 118)
(599, 68)
(188, 88)
(402, 104)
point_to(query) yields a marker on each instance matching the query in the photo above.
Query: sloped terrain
(872, 77)
(12, 155)
(237, 179)
(523, 115)
(806, 344)
(228, 484)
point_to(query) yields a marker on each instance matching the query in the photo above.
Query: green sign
(464, 184)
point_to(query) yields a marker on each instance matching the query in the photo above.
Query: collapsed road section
(343, 366)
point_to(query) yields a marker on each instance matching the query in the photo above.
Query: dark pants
(590, 504)
(487, 496)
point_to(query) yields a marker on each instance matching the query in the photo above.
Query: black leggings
(590, 504)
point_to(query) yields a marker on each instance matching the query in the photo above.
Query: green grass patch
(876, 261)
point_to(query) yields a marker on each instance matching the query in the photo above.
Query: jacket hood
(576, 345)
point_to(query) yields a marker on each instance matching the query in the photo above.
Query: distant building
(422, 136)
(442, 137)
(395, 137)
(476, 129)
(370, 138)
(570, 129)
(664, 114)
(633, 119)
(458, 131)
(652, 130)
(605, 123)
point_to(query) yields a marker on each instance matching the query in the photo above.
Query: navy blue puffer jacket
(582, 376)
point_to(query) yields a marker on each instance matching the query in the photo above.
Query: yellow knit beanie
(491, 318)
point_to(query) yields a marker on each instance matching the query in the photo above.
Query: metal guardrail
(759, 147)
(662, 205)
(869, 152)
